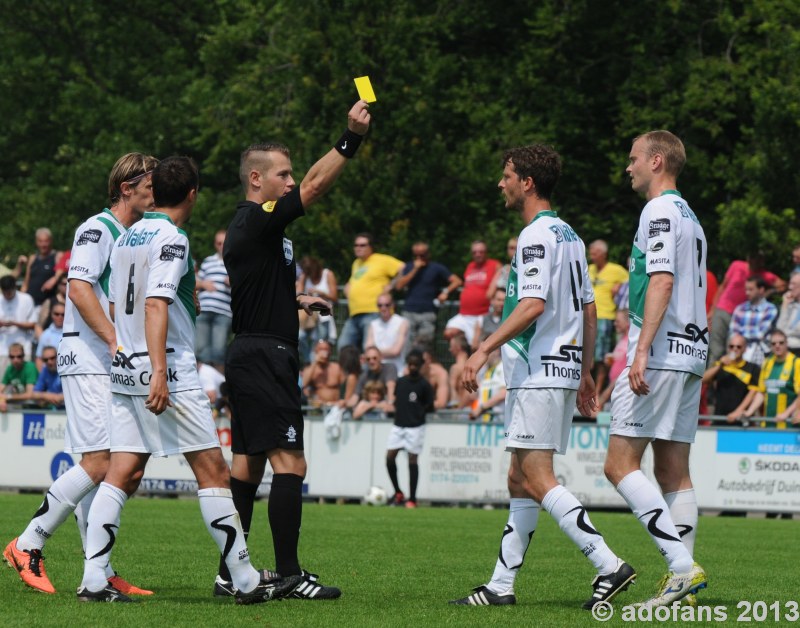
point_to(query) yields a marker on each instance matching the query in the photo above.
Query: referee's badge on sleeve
(288, 250)
(269, 206)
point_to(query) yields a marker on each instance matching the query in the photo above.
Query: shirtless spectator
(323, 378)
(436, 375)
(473, 303)
(459, 349)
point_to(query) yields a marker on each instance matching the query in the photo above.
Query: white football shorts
(409, 438)
(187, 425)
(87, 399)
(668, 412)
(539, 418)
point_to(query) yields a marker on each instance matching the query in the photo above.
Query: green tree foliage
(457, 82)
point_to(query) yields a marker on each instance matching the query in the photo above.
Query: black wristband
(348, 144)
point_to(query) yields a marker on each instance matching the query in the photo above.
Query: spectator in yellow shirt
(606, 277)
(371, 276)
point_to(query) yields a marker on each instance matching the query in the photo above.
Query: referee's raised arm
(323, 173)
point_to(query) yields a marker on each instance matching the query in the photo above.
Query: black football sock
(285, 511)
(391, 467)
(413, 472)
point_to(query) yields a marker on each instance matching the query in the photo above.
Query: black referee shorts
(262, 374)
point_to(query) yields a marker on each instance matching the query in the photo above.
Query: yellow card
(364, 88)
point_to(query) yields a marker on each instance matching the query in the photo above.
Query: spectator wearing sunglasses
(47, 391)
(18, 379)
(52, 335)
(778, 384)
(733, 378)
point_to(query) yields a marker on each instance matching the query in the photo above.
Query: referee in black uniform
(262, 367)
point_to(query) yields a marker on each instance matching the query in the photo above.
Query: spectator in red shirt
(730, 294)
(474, 303)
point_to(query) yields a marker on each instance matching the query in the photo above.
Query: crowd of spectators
(752, 341)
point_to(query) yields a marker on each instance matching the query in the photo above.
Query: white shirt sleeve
(169, 261)
(660, 224)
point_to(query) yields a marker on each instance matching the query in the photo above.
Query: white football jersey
(550, 264)
(670, 239)
(152, 260)
(81, 351)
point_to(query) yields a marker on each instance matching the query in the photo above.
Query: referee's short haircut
(255, 157)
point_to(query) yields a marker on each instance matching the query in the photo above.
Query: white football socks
(101, 534)
(573, 519)
(647, 503)
(683, 510)
(523, 515)
(224, 525)
(61, 499)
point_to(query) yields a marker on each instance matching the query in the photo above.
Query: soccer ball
(376, 496)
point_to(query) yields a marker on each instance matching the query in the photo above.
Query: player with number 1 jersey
(550, 264)
(670, 239)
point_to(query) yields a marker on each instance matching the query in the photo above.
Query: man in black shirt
(262, 367)
(732, 378)
(413, 398)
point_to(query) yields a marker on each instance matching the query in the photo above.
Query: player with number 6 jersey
(153, 260)
(158, 406)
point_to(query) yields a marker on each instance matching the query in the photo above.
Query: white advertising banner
(732, 468)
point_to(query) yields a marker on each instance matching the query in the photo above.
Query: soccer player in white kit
(547, 338)
(158, 405)
(84, 362)
(657, 396)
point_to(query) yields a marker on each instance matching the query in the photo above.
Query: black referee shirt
(261, 267)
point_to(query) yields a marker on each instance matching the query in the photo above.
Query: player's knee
(131, 485)
(669, 479)
(535, 489)
(611, 471)
(96, 466)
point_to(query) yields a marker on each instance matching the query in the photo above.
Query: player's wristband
(348, 144)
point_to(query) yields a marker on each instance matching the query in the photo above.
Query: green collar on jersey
(671, 192)
(157, 215)
(551, 213)
(106, 210)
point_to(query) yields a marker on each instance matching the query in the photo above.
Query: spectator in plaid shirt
(754, 319)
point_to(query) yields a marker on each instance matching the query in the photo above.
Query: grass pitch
(396, 567)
